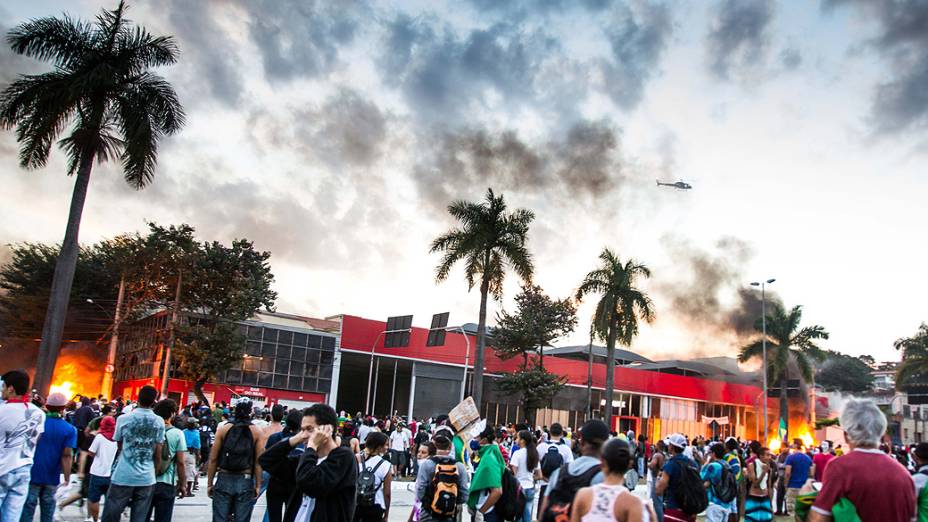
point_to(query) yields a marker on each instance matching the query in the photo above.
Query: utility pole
(106, 388)
(589, 379)
(170, 346)
(763, 307)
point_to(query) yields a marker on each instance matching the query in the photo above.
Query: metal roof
(582, 351)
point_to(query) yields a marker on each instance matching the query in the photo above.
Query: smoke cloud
(739, 36)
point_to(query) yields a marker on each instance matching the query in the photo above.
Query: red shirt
(821, 460)
(878, 486)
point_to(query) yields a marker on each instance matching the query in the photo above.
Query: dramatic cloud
(739, 36)
(901, 103)
(638, 40)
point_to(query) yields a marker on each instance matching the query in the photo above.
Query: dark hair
(531, 455)
(661, 446)
(106, 409)
(54, 409)
(191, 424)
(348, 430)
(147, 396)
(293, 420)
(165, 408)
(18, 380)
(557, 430)
(718, 450)
(921, 451)
(324, 415)
(433, 449)
(242, 411)
(617, 456)
(375, 440)
(442, 442)
(756, 448)
(732, 444)
(489, 434)
(277, 412)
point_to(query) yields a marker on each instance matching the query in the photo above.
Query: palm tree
(914, 367)
(786, 342)
(488, 240)
(621, 306)
(101, 88)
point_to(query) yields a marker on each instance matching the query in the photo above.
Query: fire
(803, 433)
(66, 388)
(775, 444)
(76, 373)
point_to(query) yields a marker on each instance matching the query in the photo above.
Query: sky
(335, 134)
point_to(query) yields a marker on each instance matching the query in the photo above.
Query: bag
(689, 490)
(562, 496)
(237, 453)
(367, 484)
(551, 461)
(167, 459)
(441, 497)
(511, 504)
(727, 488)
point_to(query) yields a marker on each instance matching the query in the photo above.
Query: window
(280, 381)
(268, 349)
(249, 378)
(283, 351)
(234, 376)
(328, 344)
(252, 364)
(312, 356)
(285, 337)
(265, 379)
(295, 383)
(299, 339)
(297, 368)
(270, 335)
(298, 354)
(315, 341)
(282, 366)
(312, 370)
(253, 348)
(254, 333)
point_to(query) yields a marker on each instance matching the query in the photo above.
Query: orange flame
(76, 374)
(803, 433)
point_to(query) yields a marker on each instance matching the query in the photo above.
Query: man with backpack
(721, 486)
(170, 479)
(234, 458)
(585, 471)
(680, 484)
(554, 453)
(442, 483)
(486, 488)
(734, 460)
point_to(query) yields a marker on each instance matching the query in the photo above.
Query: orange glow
(774, 444)
(801, 432)
(75, 375)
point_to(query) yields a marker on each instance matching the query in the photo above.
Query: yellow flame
(65, 387)
(775, 444)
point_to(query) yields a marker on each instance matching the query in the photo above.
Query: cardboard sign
(464, 418)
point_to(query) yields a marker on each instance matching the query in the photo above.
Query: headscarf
(107, 427)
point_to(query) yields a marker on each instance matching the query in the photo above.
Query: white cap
(677, 440)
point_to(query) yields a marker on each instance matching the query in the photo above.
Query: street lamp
(763, 307)
(370, 371)
(466, 355)
(106, 386)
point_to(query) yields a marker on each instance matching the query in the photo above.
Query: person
(365, 428)
(326, 475)
(192, 456)
(670, 475)
(425, 451)
(348, 439)
(878, 487)
(757, 505)
(526, 466)
(427, 467)
(920, 453)
(399, 445)
(820, 460)
(581, 472)
(486, 488)
(234, 458)
(781, 482)
(733, 458)
(103, 450)
(711, 474)
(281, 466)
(796, 473)
(170, 482)
(139, 435)
(658, 456)
(54, 454)
(550, 461)
(610, 500)
(641, 453)
(372, 461)
(21, 423)
(81, 419)
(421, 437)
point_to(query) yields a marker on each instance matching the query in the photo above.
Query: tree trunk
(610, 369)
(53, 328)
(477, 391)
(198, 391)
(106, 387)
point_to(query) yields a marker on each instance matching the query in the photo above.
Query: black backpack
(511, 504)
(237, 453)
(367, 484)
(562, 496)
(441, 496)
(689, 491)
(167, 458)
(727, 488)
(551, 461)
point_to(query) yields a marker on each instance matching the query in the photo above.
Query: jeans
(42, 495)
(529, 499)
(14, 489)
(162, 502)
(641, 466)
(368, 513)
(658, 502)
(233, 495)
(118, 498)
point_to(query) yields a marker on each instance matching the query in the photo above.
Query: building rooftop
(582, 352)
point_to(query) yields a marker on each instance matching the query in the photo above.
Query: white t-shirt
(381, 475)
(104, 451)
(523, 474)
(362, 433)
(399, 440)
(562, 447)
(20, 427)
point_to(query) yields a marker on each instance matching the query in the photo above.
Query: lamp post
(370, 371)
(763, 307)
(106, 386)
(466, 355)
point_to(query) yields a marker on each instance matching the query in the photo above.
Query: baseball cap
(594, 431)
(677, 440)
(57, 399)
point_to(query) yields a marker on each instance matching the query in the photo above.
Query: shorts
(190, 466)
(97, 488)
(398, 457)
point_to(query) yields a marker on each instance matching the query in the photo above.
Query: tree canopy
(844, 373)
(914, 367)
(537, 322)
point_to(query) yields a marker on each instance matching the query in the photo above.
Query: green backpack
(167, 458)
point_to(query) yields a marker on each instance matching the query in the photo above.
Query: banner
(721, 421)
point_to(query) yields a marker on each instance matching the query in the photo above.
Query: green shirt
(176, 442)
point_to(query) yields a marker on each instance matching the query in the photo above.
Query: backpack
(237, 453)
(562, 496)
(167, 458)
(689, 491)
(511, 504)
(551, 461)
(367, 484)
(727, 488)
(441, 497)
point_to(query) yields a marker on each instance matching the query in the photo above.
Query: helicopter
(678, 185)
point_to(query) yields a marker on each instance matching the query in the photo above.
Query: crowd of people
(316, 465)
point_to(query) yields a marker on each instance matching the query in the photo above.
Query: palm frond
(62, 41)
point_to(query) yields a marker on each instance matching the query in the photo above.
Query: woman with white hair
(878, 486)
